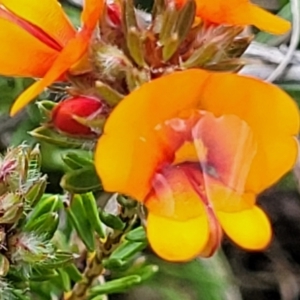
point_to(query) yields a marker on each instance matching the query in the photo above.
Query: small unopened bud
(64, 114)
(113, 16)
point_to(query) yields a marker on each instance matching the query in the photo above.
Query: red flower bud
(81, 106)
(113, 14)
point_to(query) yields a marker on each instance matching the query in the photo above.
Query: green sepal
(53, 137)
(137, 235)
(114, 286)
(81, 181)
(77, 161)
(79, 220)
(111, 221)
(91, 210)
(45, 108)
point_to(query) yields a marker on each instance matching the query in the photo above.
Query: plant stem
(94, 267)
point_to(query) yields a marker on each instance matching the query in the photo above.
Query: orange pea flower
(38, 40)
(239, 12)
(196, 148)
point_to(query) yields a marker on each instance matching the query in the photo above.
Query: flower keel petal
(250, 228)
(177, 241)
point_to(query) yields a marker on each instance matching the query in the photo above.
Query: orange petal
(240, 13)
(272, 116)
(21, 54)
(91, 13)
(127, 155)
(129, 151)
(264, 20)
(230, 149)
(250, 228)
(47, 15)
(177, 241)
(69, 56)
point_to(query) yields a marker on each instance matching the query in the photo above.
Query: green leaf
(48, 204)
(137, 235)
(91, 210)
(111, 220)
(42, 274)
(114, 264)
(79, 220)
(36, 191)
(115, 286)
(45, 224)
(127, 249)
(61, 259)
(81, 181)
(73, 272)
(65, 281)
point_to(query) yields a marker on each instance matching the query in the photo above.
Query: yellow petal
(177, 241)
(46, 14)
(250, 228)
(21, 54)
(69, 56)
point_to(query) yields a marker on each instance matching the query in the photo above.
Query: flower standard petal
(272, 116)
(240, 13)
(127, 155)
(48, 16)
(71, 54)
(18, 49)
(67, 57)
(129, 151)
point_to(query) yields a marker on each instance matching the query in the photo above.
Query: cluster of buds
(132, 47)
(28, 218)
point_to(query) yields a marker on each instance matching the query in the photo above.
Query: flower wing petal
(249, 228)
